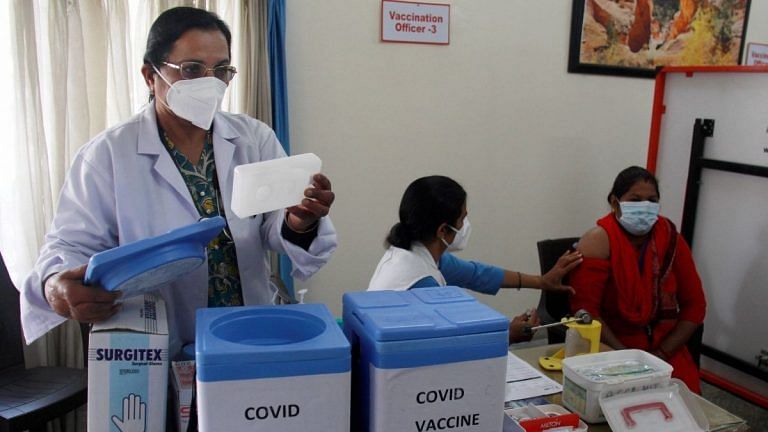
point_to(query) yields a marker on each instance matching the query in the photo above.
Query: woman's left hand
(316, 204)
(553, 280)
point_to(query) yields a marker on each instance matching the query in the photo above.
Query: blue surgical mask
(638, 217)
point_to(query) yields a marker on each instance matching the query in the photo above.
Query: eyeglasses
(192, 70)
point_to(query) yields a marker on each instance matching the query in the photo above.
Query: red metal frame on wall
(744, 393)
(659, 109)
(658, 100)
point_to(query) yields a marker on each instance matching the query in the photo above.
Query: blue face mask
(638, 217)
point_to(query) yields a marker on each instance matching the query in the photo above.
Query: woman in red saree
(638, 277)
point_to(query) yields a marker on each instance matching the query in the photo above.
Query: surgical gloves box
(425, 360)
(272, 368)
(128, 368)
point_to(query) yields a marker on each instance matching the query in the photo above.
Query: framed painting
(635, 37)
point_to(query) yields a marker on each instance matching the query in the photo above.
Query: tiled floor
(756, 416)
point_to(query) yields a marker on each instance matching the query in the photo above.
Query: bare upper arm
(594, 244)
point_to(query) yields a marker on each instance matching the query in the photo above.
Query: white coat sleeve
(305, 262)
(84, 224)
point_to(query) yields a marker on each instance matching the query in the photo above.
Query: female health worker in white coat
(167, 167)
(433, 222)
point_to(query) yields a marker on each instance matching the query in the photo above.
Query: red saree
(630, 301)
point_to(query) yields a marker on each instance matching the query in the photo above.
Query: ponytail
(399, 237)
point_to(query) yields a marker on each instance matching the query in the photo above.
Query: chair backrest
(12, 352)
(552, 307)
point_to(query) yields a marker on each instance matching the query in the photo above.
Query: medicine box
(426, 359)
(542, 418)
(183, 382)
(128, 368)
(271, 368)
(587, 376)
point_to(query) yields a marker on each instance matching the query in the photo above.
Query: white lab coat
(123, 186)
(400, 268)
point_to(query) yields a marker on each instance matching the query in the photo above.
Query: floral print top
(224, 287)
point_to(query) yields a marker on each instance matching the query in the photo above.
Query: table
(719, 419)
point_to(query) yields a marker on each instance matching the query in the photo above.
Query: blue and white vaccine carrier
(426, 359)
(272, 368)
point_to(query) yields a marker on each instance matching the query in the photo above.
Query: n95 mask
(195, 100)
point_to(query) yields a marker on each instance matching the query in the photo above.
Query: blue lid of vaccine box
(424, 326)
(250, 342)
(142, 266)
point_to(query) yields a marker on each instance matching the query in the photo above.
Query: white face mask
(461, 238)
(638, 217)
(196, 100)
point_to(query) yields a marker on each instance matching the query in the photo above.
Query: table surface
(719, 419)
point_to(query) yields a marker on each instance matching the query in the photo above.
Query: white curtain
(76, 71)
(254, 62)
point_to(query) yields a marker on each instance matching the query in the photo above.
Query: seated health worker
(433, 223)
(638, 277)
(166, 167)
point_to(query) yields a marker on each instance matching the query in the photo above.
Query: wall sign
(757, 54)
(427, 23)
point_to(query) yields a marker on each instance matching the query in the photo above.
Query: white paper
(524, 381)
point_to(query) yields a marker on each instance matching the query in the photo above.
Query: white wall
(536, 148)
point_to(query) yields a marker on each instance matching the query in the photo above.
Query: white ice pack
(274, 184)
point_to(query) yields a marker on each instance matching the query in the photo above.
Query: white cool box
(272, 368)
(430, 359)
(128, 368)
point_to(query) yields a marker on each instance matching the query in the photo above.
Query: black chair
(29, 398)
(552, 307)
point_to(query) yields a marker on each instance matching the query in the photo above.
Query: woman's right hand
(520, 326)
(69, 298)
(552, 280)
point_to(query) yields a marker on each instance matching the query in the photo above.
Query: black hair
(172, 24)
(427, 203)
(628, 177)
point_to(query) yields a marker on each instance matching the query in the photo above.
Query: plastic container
(669, 408)
(622, 372)
(262, 187)
(272, 368)
(426, 359)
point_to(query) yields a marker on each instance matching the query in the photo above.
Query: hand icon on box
(134, 415)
